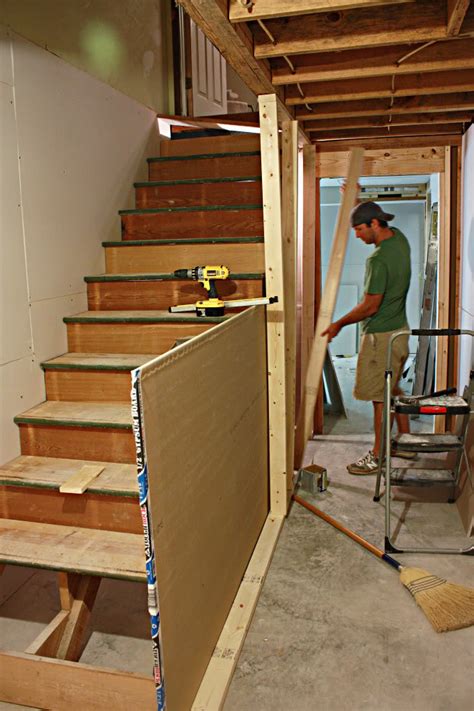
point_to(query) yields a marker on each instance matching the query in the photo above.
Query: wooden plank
(427, 143)
(80, 386)
(328, 302)
(212, 144)
(50, 683)
(389, 132)
(384, 107)
(386, 120)
(47, 642)
(419, 22)
(161, 294)
(103, 444)
(456, 10)
(375, 61)
(49, 473)
(237, 222)
(214, 166)
(383, 86)
(129, 337)
(215, 480)
(99, 511)
(408, 161)
(319, 409)
(275, 286)
(239, 257)
(268, 9)
(192, 194)
(289, 202)
(86, 413)
(77, 550)
(79, 482)
(73, 639)
(218, 676)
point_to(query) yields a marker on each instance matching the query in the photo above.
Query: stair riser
(227, 167)
(190, 195)
(128, 337)
(143, 295)
(195, 224)
(212, 144)
(110, 513)
(103, 445)
(248, 258)
(83, 386)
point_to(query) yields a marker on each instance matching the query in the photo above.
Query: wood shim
(203, 415)
(328, 302)
(79, 482)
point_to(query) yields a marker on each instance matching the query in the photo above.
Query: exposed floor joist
(247, 10)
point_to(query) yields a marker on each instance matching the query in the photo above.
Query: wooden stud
(274, 270)
(289, 202)
(73, 640)
(328, 302)
(79, 482)
(319, 409)
(445, 208)
(47, 642)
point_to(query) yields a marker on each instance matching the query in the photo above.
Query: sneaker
(368, 464)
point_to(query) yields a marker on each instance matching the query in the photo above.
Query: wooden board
(88, 413)
(80, 481)
(204, 193)
(226, 166)
(328, 302)
(212, 144)
(51, 683)
(208, 485)
(131, 259)
(77, 550)
(408, 161)
(235, 222)
(80, 385)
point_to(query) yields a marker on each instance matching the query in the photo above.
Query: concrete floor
(333, 629)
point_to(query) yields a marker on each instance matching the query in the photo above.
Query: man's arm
(368, 307)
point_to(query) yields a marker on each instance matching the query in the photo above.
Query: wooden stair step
(71, 549)
(208, 191)
(29, 490)
(202, 221)
(242, 254)
(230, 141)
(83, 430)
(81, 377)
(205, 165)
(132, 331)
(160, 291)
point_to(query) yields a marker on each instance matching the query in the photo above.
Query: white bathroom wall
(409, 218)
(71, 148)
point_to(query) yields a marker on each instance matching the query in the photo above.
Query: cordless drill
(213, 305)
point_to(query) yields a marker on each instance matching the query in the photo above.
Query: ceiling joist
(248, 10)
(457, 10)
(430, 130)
(388, 120)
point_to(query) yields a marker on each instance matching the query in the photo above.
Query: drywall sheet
(203, 421)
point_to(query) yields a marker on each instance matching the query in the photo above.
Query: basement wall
(71, 148)
(126, 44)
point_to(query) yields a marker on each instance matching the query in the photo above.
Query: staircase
(198, 207)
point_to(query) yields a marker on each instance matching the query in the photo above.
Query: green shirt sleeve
(376, 277)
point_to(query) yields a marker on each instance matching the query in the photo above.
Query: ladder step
(71, 549)
(421, 477)
(446, 404)
(426, 442)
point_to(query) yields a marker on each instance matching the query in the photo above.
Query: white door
(209, 76)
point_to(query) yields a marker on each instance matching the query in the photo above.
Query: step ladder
(448, 473)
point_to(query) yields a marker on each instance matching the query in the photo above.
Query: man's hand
(331, 331)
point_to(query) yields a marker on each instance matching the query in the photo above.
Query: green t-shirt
(388, 272)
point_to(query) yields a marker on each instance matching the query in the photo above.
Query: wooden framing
(267, 9)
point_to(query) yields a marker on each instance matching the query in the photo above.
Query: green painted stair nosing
(82, 366)
(198, 181)
(194, 208)
(91, 489)
(255, 276)
(56, 422)
(145, 319)
(184, 240)
(200, 156)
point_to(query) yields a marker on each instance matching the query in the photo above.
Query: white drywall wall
(467, 258)
(71, 148)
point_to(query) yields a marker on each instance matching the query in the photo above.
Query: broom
(446, 605)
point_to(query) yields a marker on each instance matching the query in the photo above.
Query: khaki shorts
(372, 362)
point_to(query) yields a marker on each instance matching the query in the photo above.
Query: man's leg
(403, 421)
(378, 415)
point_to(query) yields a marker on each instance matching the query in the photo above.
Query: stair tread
(99, 414)
(51, 472)
(152, 276)
(193, 208)
(67, 548)
(199, 156)
(411, 476)
(197, 181)
(98, 361)
(139, 316)
(183, 241)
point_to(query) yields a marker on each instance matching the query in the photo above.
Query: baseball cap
(366, 212)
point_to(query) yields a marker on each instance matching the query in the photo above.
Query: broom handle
(355, 536)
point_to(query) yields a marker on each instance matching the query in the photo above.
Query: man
(382, 313)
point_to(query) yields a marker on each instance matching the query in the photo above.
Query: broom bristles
(447, 606)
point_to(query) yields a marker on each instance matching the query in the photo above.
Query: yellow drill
(213, 305)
